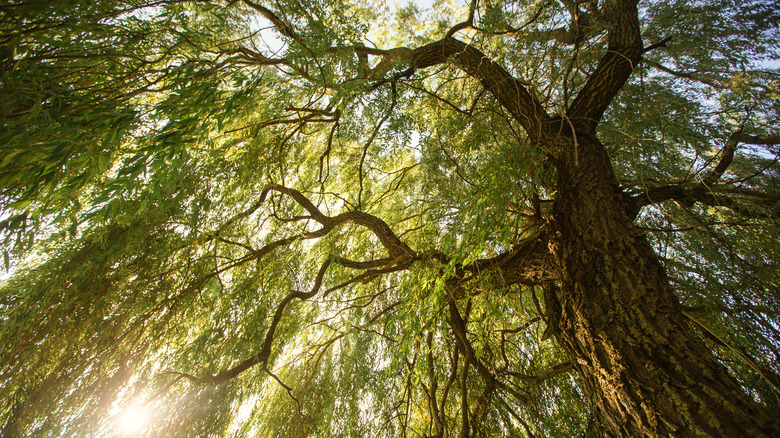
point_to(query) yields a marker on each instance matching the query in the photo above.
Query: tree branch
(708, 193)
(458, 325)
(686, 75)
(466, 24)
(509, 91)
(726, 157)
(623, 53)
(281, 26)
(370, 264)
(708, 196)
(544, 375)
(265, 352)
(394, 246)
(654, 46)
(529, 262)
(401, 256)
(757, 139)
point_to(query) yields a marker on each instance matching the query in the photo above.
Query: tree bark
(643, 369)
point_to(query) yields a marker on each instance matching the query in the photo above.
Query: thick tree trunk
(643, 369)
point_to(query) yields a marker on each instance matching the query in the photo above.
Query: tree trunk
(643, 370)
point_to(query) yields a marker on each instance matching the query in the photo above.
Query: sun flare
(132, 420)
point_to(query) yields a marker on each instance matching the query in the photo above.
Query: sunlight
(132, 420)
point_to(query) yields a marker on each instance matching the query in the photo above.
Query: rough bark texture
(644, 371)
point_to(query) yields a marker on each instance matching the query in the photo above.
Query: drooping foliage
(283, 219)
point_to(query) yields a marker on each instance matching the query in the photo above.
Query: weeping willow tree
(335, 218)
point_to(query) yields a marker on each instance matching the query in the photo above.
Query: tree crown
(303, 218)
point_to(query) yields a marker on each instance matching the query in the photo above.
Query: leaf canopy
(244, 216)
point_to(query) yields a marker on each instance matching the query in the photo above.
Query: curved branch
(401, 256)
(458, 325)
(624, 51)
(465, 24)
(509, 91)
(512, 93)
(394, 246)
(265, 352)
